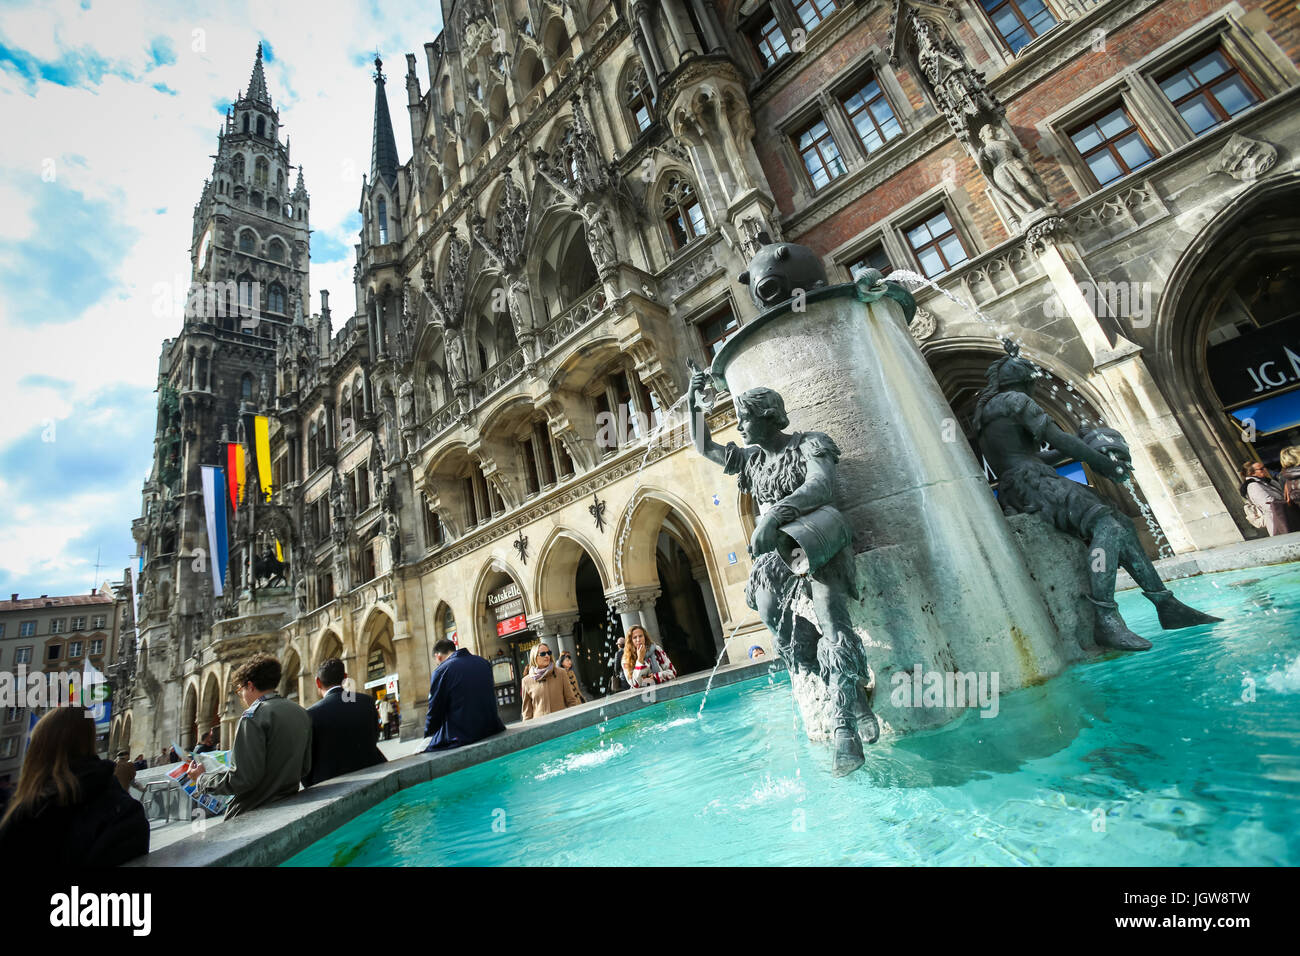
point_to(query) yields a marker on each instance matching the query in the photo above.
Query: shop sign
(504, 594)
(1257, 364)
(511, 624)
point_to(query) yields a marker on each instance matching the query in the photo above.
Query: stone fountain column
(943, 582)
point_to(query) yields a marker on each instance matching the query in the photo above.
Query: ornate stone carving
(923, 325)
(1004, 162)
(1244, 159)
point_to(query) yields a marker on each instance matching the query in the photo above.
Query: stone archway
(502, 625)
(570, 585)
(291, 684)
(1218, 352)
(670, 582)
(189, 716)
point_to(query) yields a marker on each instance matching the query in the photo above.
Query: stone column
(641, 12)
(1175, 483)
(708, 18)
(701, 576)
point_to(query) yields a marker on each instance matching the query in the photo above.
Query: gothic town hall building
(488, 443)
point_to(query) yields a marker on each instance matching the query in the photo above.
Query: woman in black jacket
(71, 808)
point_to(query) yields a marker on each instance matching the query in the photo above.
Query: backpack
(1253, 513)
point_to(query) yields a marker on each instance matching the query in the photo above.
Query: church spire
(383, 154)
(257, 84)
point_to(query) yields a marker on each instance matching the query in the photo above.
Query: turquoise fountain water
(1188, 754)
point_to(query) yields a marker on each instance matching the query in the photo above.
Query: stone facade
(586, 181)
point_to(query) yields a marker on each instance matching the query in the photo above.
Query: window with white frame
(99, 622)
(78, 624)
(97, 646)
(870, 114)
(1019, 22)
(23, 655)
(1111, 144)
(74, 648)
(935, 243)
(1208, 90)
(57, 625)
(27, 629)
(813, 12)
(682, 213)
(820, 155)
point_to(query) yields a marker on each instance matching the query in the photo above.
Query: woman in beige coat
(546, 688)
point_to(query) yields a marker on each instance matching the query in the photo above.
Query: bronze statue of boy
(801, 541)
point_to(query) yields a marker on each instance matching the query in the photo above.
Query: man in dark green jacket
(272, 750)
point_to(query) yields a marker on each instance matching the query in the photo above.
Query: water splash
(579, 762)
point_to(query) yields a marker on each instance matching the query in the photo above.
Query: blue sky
(119, 105)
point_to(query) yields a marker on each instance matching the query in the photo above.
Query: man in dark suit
(344, 727)
(462, 699)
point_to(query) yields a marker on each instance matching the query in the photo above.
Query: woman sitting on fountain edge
(792, 477)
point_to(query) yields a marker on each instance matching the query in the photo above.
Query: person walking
(644, 662)
(272, 750)
(566, 665)
(544, 689)
(344, 732)
(383, 715)
(462, 699)
(70, 807)
(1289, 478)
(1264, 501)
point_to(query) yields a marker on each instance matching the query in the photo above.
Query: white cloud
(121, 141)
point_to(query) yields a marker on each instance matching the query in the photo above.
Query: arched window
(345, 407)
(682, 212)
(276, 250)
(240, 172)
(247, 241)
(275, 299)
(245, 122)
(261, 170)
(381, 220)
(530, 70)
(313, 448)
(478, 133)
(272, 205)
(246, 387)
(249, 295)
(261, 126)
(482, 357)
(638, 101)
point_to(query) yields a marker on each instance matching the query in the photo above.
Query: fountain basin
(1138, 760)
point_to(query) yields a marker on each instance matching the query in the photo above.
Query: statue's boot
(848, 751)
(868, 724)
(1174, 614)
(1113, 632)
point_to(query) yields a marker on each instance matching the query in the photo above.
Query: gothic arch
(654, 505)
(493, 574)
(555, 579)
(1257, 223)
(328, 644)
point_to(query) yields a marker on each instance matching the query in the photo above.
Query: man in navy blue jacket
(462, 699)
(344, 727)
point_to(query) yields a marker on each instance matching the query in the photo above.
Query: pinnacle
(257, 83)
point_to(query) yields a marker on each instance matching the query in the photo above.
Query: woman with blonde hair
(1289, 459)
(545, 688)
(70, 807)
(644, 662)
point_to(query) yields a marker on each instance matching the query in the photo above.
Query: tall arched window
(275, 250)
(246, 387)
(247, 241)
(381, 220)
(313, 448)
(261, 171)
(261, 126)
(682, 212)
(638, 101)
(240, 169)
(245, 122)
(275, 298)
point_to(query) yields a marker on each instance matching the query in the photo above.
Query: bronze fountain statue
(1010, 428)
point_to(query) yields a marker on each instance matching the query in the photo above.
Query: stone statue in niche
(406, 404)
(1011, 428)
(600, 236)
(802, 545)
(1004, 162)
(457, 364)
